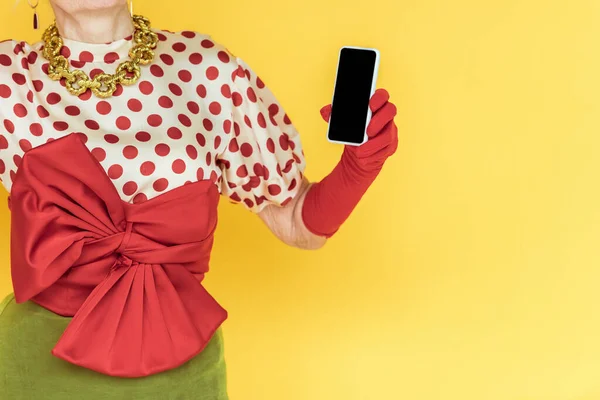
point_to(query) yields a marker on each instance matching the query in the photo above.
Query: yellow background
(471, 269)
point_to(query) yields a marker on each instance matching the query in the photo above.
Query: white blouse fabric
(196, 113)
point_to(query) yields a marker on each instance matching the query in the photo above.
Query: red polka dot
(118, 91)
(223, 56)
(5, 60)
(24, 63)
(167, 59)
(201, 90)
(165, 102)
(242, 171)
(233, 145)
(60, 126)
(20, 110)
(174, 133)
(208, 158)
(17, 160)
(292, 185)
(53, 98)
(185, 120)
(110, 138)
(157, 71)
(130, 152)
(38, 85)
(271, 145)
(207, 123)
(237, 99)
(94, 72)
(147, 168)
(86, 56)
(178, 166)
(248, 203)
(179, 47)
(139, 198)
(213, 176)
(77, 64)
(134, 105)
(91, 124)
(5, 91)
(30, 96)
(42, 112)
(201, 139)
(123, 123)
(162, 149)
(247, 121)
(36, 129)
(286, 119)
(19, 79)
(72, 110)
(259, 83)
(207, 44)
(217, 142)
(235, 197)
(251, 95)
(85, 95)
(212, 73)
(99, 153)
(274, 190)
(9, 126)
(111, 57)
(32, 57)
(142, 136)
(200, 174)
(81, 136)
(161, 36)
(227, 126)
(191, 151)
(215, 108)
(261, 120)
(246, 149)
(236, 129)
(45, 68)
(129, 188)
(288, 166)
(284, 141)
(175, 89)
(115, 171)
(188, 34)
(3, 143)
(195, 58)
(193, 107)
(226, 91)
(258, 169)
(160, 184)
(146, 87)
(2, 168)
(185, 75)
(154, 120)
(103, 107)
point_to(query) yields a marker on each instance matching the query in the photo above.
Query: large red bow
(129, 274)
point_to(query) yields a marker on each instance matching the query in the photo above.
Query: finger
(379, 98)
(381, 118)
(326, 112)
(377, 143)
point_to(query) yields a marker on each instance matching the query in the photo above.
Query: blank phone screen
(351, 96)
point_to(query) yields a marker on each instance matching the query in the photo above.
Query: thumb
(326, 112)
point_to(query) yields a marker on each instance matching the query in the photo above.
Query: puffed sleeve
(263, 162)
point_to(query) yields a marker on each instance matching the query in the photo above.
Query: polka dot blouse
(197, 113)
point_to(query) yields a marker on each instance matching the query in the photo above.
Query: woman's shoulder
(15, 55)
(195, 47)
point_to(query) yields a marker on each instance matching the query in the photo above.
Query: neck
(94, 26)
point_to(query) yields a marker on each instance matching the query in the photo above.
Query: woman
(114, 176)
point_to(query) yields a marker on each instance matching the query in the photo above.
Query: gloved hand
(330, 202)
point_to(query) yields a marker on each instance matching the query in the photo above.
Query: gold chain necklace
(102, 85)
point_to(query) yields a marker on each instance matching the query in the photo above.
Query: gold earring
(35, 16)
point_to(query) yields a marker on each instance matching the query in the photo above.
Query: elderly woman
(117, 141)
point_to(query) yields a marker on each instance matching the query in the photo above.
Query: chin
(82, 5)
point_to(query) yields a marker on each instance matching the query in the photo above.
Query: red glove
(330, 202)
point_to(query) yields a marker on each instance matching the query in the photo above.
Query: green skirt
(28, 371)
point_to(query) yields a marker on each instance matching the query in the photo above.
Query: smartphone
(355, 84)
